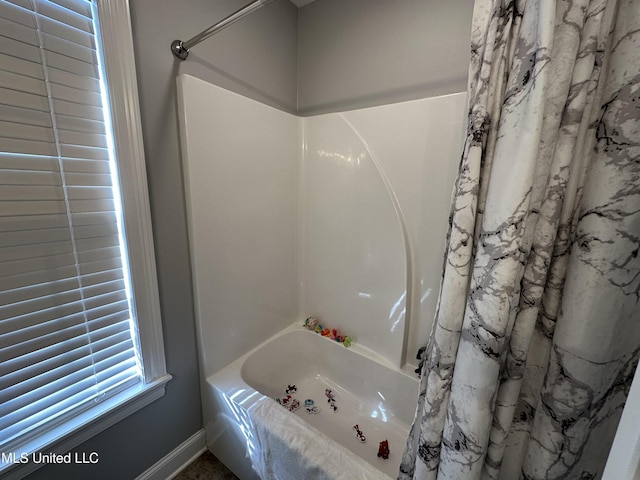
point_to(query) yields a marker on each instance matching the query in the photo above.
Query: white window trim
(119, 69)
(120, 72)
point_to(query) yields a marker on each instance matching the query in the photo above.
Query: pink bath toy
(295, 405)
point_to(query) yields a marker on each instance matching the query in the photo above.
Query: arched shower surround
(342, 216)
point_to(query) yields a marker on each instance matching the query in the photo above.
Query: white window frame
(118, 64)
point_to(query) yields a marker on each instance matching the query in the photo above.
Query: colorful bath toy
(359, 433)
(383, 449)
(312, 323)
(295, 405)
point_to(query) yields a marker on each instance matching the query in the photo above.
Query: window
(78, 351)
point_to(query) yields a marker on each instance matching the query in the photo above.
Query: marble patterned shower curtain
(537, 333)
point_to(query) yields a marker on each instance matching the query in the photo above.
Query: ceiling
(301, 3)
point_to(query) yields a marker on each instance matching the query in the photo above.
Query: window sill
(69, 435)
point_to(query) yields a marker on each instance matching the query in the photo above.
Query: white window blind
(67, 335)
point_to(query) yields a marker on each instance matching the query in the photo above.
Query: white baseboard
(175, 461)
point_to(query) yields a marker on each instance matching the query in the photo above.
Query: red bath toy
(383, 449)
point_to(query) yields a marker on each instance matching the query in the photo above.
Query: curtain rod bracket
(177, 48)
(181, 49)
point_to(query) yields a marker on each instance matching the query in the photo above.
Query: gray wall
(351, 54)
(361, 53)
(256, 57)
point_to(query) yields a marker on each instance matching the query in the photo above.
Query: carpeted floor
(206, 467)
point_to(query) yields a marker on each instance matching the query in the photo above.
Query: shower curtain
(537, 333)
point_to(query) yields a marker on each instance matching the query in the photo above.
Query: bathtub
(365, 391)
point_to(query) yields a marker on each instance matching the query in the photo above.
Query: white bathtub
(379, 399)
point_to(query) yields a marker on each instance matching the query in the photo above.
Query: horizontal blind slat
(20, 49)
(18, 15)
(39, 360)
(96, 243)
(110, 360)
(63, 323)
(30, 147)
(81, 139)
(22, 3)
(99, 205)
(19, 66)
(36, 133)
(89, 268)
(54, 229)
(89, 153)
(88, 179)
(79, 165)
(11, 208)
(37, 192)
(50, 275)
(43, 352)
(71, 65)
(19, 267)
(18, 32)
(77, 393)
(27, 162)
(75, 95)
(53, 43)
(63, 107)
(23, 177)
(36, 291)
(102, 277)
(65, 319)
(56, 335)
(66, 32)
(35, 306)
(21, 376)
(38, 250)
(25, 116)
(65, 16)
(17, 82)
(38, 299)
(98, 254)
(75, 81)
(29, 100)
(82, 8)
(18, 395)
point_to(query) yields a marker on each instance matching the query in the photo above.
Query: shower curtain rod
(181, 49)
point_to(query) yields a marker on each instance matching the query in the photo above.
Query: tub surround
(341, 216)
(241, 179)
